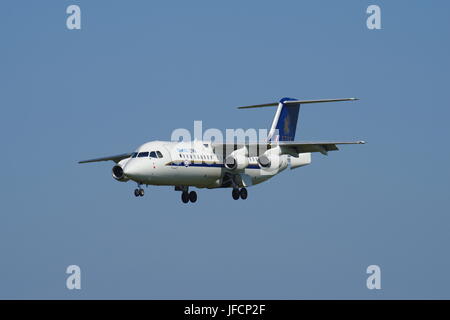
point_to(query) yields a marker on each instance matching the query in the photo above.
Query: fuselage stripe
(205, 165)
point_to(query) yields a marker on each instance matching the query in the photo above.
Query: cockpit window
(134, 154)
(142, 154)
(153, 154)
(159, 154)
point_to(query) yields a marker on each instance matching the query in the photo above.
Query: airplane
(209, 164)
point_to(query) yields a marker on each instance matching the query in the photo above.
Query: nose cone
(131, 170)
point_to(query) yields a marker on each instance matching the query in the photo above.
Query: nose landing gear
(139, 192)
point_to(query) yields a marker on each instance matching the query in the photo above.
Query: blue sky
(139, 69)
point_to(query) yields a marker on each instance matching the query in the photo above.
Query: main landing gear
(139, 192)
(188, 196)
(236, 193)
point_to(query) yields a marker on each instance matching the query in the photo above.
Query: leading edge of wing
(115, 158)
(285, 143)
(292, 147)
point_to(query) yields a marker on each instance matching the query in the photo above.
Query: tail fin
(284, 123)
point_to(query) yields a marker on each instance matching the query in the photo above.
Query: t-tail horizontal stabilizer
(294, 102)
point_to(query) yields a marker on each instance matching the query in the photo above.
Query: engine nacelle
(117, 173)
(269, 161)
(237, 160)
(272, 160)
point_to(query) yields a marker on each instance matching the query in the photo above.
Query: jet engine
(271, 159)
(237, 160)
(117, 173)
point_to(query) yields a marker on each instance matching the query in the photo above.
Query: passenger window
(153, 154)
(159, 154)
(142, 154)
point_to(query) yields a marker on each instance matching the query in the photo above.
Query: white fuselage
(236, 165)
(191, 164)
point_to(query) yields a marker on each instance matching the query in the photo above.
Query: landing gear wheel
(136, 192)
(185, 197)
(141, 192)
(192, 196)
(235, 194)
(243, 193)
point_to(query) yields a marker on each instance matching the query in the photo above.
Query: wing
(115, 158)
(287, 147)
(293, 147)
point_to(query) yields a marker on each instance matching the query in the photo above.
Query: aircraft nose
(131, 170)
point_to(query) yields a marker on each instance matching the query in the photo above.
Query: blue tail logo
(285, 122)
